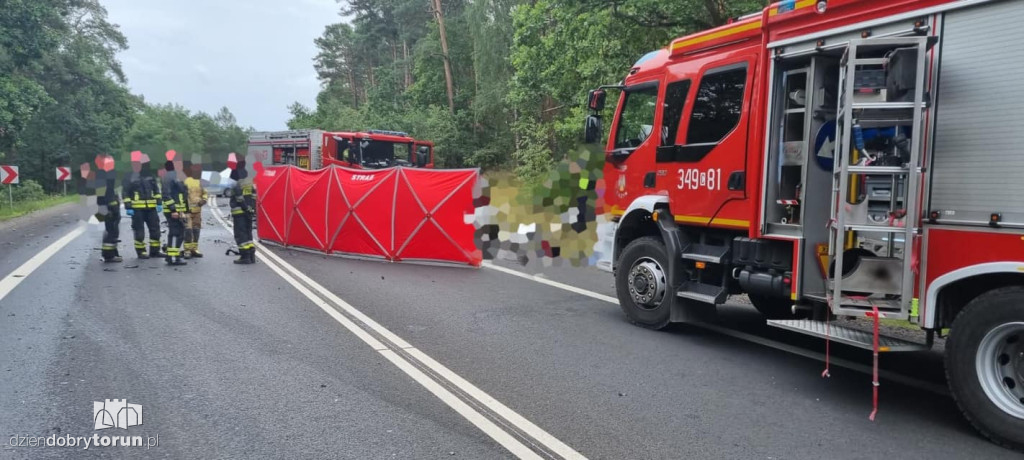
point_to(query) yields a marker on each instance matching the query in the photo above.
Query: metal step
(847, 335)
(705, 253)
(707, 293)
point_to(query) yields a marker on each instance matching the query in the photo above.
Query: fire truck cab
(834, 158)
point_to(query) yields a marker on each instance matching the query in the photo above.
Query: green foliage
(28, 190)
(63, 98)
(159, 128)
(521, 70)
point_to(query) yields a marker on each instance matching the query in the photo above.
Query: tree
(510, 74)
(439, 16)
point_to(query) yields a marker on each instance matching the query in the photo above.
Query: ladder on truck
(883, 278)
(882, 281)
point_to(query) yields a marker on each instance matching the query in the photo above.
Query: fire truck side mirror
(595, 100)
(422, 156)
(592, 130)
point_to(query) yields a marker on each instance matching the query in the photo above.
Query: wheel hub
(647, 283)
(1000, 367)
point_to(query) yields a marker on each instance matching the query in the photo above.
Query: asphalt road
(308, 356)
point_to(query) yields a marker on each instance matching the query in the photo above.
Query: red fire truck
(832, 159)
(314, 149)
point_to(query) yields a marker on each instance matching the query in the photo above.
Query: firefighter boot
(109, 253)
(195, 244)
(154, 249)
(246, 256)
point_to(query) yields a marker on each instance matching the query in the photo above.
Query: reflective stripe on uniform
(237, 211)
(154, 243)
(140, 245)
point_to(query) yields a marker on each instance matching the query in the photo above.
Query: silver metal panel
(846, 335)
(839, 39)
(978, 158)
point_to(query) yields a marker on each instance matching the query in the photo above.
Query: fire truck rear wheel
(985, 364)
(772, 307)
(641, 283)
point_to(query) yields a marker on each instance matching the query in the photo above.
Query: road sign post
(9, 177)
(64, 175)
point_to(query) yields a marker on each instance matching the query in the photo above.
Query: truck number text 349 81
(695, 179)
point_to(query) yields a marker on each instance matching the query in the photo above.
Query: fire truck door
(706, 169)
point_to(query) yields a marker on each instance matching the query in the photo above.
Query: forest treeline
(64, 98)
(494, 83)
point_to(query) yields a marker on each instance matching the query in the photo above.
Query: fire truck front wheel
(985, 364)
(641, 283)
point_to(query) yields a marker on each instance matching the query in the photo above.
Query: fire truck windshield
(383, 154)
(637, 118)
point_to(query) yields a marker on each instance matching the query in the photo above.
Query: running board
(847, 335)
(707, 293)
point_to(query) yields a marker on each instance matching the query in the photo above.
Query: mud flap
(681, 310)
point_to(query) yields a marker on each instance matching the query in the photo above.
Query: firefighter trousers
(175, 235)
(142, 220)
(242, 225)
(111, 233)
(193, 225)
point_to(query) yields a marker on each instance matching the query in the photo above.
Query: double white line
(514, 432)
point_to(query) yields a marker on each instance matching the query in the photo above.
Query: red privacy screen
(396, 214)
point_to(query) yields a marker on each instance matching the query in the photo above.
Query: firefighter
(141, 198)
(242, 207)
(175, 208)
(197, 198)
(109, 211)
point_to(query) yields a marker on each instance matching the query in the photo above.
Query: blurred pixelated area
(92, 179)
(555, 221)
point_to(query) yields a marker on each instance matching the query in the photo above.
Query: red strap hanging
(874, 367)
(828, 339)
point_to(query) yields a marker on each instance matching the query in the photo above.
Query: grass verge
(24, 207)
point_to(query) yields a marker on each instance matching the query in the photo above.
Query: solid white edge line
(476, 418)
(501, 436)
(19, 274)
(488, 401)
(606, 298)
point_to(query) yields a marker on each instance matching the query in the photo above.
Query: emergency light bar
(389, 133)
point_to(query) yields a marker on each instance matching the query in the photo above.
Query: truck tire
(772, 307)
(641, 283)
(985, 364)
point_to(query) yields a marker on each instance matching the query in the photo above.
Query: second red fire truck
(829, 159)
(314, 149)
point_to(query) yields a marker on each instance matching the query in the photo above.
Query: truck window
(675, 100)
(637, 118)
(718, 105)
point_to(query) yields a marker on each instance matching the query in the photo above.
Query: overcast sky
(253, 56)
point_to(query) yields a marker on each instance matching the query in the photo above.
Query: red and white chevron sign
(8, 174)
(63, 173)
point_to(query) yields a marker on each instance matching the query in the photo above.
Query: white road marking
(888, 375)
(19, 274)
(503, 437)
(606, 298)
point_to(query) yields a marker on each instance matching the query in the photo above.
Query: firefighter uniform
(141, 197)
(197, 197)
(110, 213)
(175, 206)
(242, 207)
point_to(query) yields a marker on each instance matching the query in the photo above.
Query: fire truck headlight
(821, 6)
